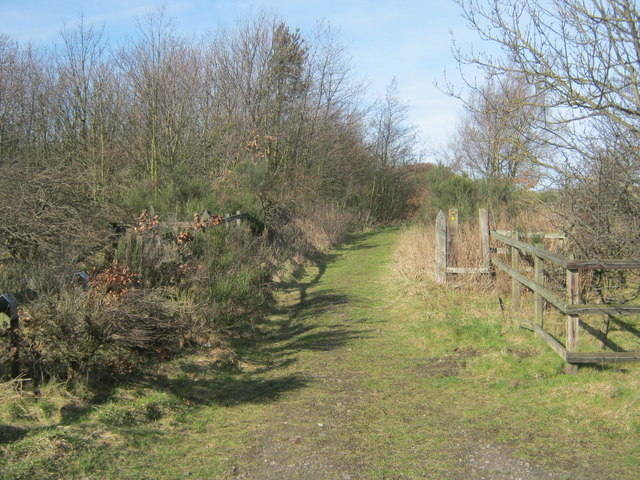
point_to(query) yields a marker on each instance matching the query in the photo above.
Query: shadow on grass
(227, 389)
(358, 241)
(10, 433)
(321, 261)
(321, 339)
(274, 346)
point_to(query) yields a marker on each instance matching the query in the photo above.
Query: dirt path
(371, 406)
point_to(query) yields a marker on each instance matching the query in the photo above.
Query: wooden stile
(441, 249)
(485, 240)
(516, 287)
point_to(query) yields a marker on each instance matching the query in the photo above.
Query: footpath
(365, 401)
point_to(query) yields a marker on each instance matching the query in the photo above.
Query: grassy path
(373, 405)
(392, 390)
(356, 377)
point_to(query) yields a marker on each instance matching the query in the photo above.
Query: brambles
(144, 222)
(185, 236)
(114, 280)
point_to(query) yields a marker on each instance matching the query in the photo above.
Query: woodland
(105, 146)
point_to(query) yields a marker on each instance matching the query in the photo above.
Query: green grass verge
(390, 382)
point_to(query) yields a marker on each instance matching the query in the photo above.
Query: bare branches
(496, 138)
(581, 62)
(581, 55)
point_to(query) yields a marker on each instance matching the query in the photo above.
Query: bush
(323, 226)
(153, 259)
(443, 189)
(64, 335)
(230, 280)
(77, 333)
(178, 198)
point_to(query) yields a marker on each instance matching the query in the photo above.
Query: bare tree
(580, 55)
(393, 145)
(581, 61)
(86, 103)
(496, 138)
(162, 76)
(394, 141)
(25, 83)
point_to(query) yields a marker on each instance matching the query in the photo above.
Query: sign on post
(453, 216)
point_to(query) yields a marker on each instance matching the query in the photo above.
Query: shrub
(230, 283)
(443, 189)
(64, 334)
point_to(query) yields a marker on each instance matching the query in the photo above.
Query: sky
(409, 40)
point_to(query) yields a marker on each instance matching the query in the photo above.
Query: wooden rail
(569, 304)
(227, 219)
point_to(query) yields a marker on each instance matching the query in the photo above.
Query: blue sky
(406, 39)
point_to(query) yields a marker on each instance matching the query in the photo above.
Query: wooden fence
(443, 245)
(569, 304)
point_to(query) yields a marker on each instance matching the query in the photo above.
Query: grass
(358, 372)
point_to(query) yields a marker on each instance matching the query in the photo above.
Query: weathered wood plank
(597, 309)
(516, 286)
(467, 270)
(545, 292)
(223, 220)
(601, 264)
(555, 345)
(441, 249)
(549, 235)
(485, 239)
(527, 325)
(538, 299)
(593, 357)
(556, 258)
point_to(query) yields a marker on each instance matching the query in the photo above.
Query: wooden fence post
(538, 300)
(483, 214)
(238, 221)
(573, 321)
(453, 226)
(441, 249)
(516, 287)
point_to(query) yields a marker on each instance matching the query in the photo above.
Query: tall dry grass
(415, 257)
(415, 254)
(323, 226)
